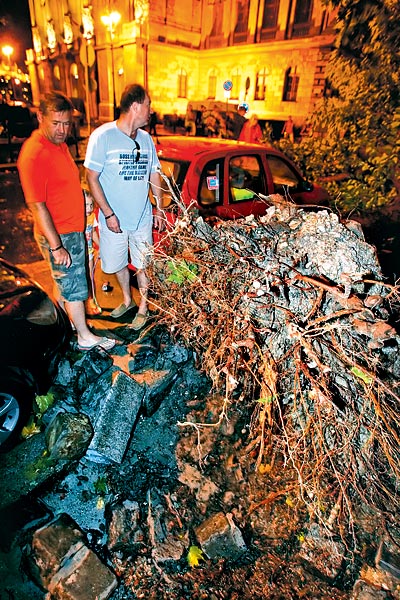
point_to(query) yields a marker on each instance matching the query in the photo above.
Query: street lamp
(111, 20)
(8, 51)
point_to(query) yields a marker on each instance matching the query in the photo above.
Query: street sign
(227, 85)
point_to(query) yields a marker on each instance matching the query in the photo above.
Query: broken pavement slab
(115, 422)
(61, 563)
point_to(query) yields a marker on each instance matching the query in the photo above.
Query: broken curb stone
(116, 420)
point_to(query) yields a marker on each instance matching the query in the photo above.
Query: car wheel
(16, 400)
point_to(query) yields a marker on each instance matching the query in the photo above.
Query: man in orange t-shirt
(52, 189)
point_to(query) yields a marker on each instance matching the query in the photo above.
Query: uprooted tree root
(289, 314)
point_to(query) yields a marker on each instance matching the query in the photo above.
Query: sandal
(121, 310)
(138, 322)
(104, 343)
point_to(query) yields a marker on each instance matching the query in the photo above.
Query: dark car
(231, 179)
(33, 333)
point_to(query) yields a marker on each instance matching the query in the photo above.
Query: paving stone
(61, 562)
(124, 532)
(322, 555)
(157, 385)
(219, 537)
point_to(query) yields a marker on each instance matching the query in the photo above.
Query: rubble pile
(292, 320)
(243, 445)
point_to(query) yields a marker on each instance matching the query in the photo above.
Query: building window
(290, 86)
(270, 14)
(303, 11)
(182, 84)
(235, 84)
(302, 18)
(242, 23)
(261, 85)
(212, 86)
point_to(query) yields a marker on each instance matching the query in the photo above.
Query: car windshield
(175, 170)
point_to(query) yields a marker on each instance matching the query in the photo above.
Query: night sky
(15, 28)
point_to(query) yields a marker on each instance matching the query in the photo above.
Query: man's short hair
(132, 93)
(55, 102)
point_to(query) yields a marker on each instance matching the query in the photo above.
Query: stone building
(273, 53)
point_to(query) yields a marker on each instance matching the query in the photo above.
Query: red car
(228, 179)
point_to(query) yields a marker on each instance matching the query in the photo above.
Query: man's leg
(143, 285)
(123, 277)
(76, 313)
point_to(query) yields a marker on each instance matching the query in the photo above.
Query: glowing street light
(111, 20)
(8, 51)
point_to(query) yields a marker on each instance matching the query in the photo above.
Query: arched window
(290, 85)
(56, 78)
(235, 84)
(212, 86)
(261, 85)
(182, 84)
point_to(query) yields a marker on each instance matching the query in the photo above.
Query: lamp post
(8, 51)
(111, 20)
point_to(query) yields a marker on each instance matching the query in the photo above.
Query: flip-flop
(105, 343)
(121, 310)
(138, 322)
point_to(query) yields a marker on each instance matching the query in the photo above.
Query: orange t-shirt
(49, 174)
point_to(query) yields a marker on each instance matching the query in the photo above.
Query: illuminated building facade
(273, 51)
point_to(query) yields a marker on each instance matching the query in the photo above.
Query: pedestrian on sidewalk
(251, 131)
(288, 129)
(121, 163)
(51, 184)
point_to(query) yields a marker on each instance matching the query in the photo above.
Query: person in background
(153, 123)
(307, 129)
(92, 240)
(238, 121)
(51, 184)
(121, 163)
(251, 131)
(288, 129)
(190, 120)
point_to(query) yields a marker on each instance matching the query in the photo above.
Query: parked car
(228, 179)
(33, 333)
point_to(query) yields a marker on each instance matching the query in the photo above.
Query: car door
(289, 182)
(229, 186)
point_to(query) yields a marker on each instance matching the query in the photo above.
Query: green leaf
(361, 375)
(44, 402)
(181, 271)
(100, 486)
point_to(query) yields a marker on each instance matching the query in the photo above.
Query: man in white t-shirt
(122, 163)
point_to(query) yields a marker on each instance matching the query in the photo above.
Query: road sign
(227, 85)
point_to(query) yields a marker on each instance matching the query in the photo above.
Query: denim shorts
(71, 281)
